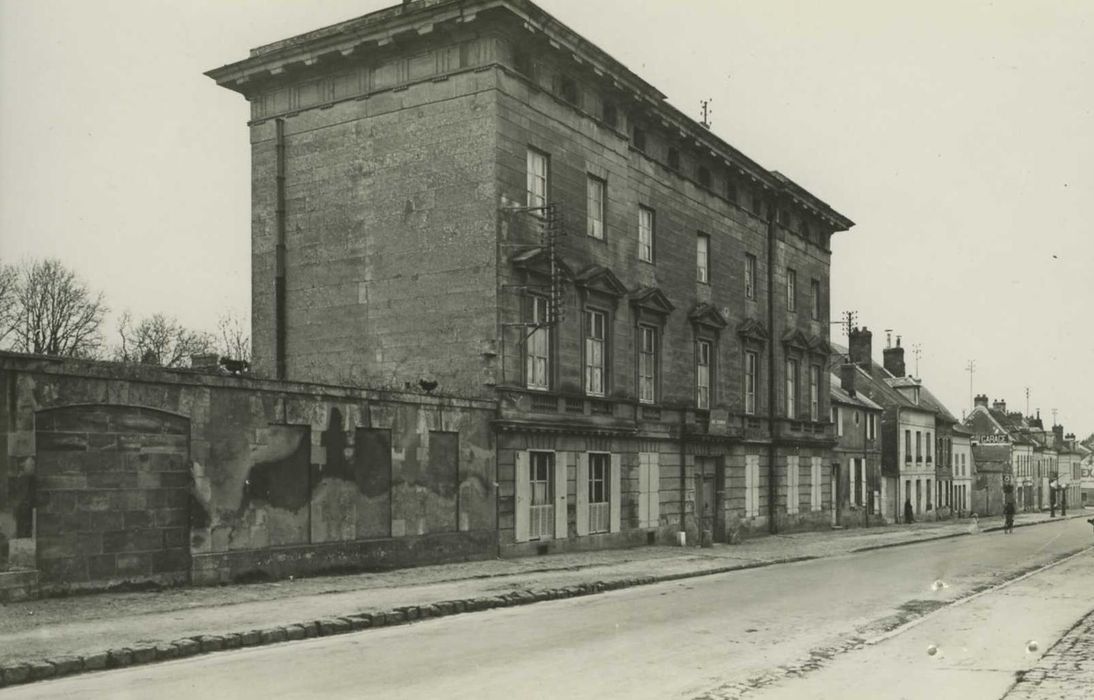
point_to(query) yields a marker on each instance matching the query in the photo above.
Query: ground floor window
(599, 492)
(542, 497)
(649, 489)
(752, 486)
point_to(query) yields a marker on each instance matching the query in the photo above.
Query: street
(837, 627)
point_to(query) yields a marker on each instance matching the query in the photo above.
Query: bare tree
(160, 340)
(235, 340)
(55, 312)
(9, 284)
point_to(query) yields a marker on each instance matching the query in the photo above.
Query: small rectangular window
(647, 364)
(638, 140)
(791, 290)
(704, 176)
(814, 393)
(750, 383)
(596, 192)
(702, 253)
(674, 158)
(702, 374)
(595, 340)
(918, 446)
(750, 276)
(755, 204)
(731, 190)
(567, 89)
(609, 114)
(907, 446)
(815, 299)
(645, 234)
(537, 179)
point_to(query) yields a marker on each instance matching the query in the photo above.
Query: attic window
(731, 190)
(704, 176)
(639, 139)
(674, 158)
(754, 204)
(567, 89)
(609, 115)
(522, 62)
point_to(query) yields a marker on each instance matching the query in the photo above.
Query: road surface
(853, 626)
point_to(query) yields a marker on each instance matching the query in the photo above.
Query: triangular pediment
(538, 261)
(794, 338)
(651, 299)
(597, 278)
(707, 315)
(819, 346)
(751, 329)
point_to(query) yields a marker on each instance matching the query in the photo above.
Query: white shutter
(815, 483)
(750, 487)
(654, 463)
(581, 488)
(643, 490)
(562, 461)
(522, 501)
(616, 493)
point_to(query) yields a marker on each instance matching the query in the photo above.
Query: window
(791, 388)
(907, 446)
(523, 63)
(929, 445)
(852, 480)
(674, 158)
(754, 202)
(871, 426)
(645, 234)
(792, 480)
(750, 276)
(595, 336)
(702, 374)
(750, 383)
(567, 89)
(596, 192)
(752, 486)
(647, 364)
(858, 417)
(538, 346)
(609, 114)
(599, 490)
(704, 176)
(702, 258)
(731, 190)
(638, 139)
(837, 418)
(541, 522)
(814, 393)
(537, 179)
(918, 446)
(815, 299)
(791, 289)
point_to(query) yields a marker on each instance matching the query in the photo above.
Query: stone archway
(112, 496)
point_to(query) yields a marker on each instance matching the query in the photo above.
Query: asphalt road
(814, 629)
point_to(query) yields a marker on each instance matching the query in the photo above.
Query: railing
(544, 403)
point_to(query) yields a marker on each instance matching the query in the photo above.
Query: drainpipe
(683, 469)
(279, 274)
(771, 452)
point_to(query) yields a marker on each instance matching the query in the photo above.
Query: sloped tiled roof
(838, 395)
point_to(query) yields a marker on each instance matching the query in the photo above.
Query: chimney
(894, 359)
(847, 374)
(1058, 431)
(860, 347)
(980, 400)
(1000, 405)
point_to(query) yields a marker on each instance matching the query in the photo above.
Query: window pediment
(752, 330)
(819, 346)
(794, 339)
(537, 261)
(651, 300)
(708, 317)
(597, 279)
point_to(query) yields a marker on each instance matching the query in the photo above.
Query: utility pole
(706, 112)
(917, 350)
(971, 369)
(1027, 402)
(1054, 418)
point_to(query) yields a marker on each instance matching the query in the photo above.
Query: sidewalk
(45, 638)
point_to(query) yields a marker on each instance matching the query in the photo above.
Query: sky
(958, 135)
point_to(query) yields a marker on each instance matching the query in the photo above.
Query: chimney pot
(847, 374)
(894, 359)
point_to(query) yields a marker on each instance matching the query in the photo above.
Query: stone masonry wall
(281, 478)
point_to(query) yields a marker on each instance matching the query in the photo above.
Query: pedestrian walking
(1008, 515)
(909, 515)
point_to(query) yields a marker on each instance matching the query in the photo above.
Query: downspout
(771, 451)
(279, 273)
(683, 469)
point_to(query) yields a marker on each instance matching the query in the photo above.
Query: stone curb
(55, 667)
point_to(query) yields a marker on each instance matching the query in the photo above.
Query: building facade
(964, 470)
(471, 196)
(857, 462)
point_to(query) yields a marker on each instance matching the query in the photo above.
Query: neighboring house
(473, 195)
(1008, 435)
(944, 424)
(963, 470)
(993, 470)
(857, 455)
(1086, 473)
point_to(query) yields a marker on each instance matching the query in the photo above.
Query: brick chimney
(894, 359)
(999, 405)
(847, 374)
(1058, 431)
(980, 400)
(860, 346)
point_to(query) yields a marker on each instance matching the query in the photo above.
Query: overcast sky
(958, 135)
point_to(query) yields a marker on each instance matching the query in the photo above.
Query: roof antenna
(707, 111)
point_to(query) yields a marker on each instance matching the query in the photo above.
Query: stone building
(857, 455)
(964, 469)
(473, 195)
